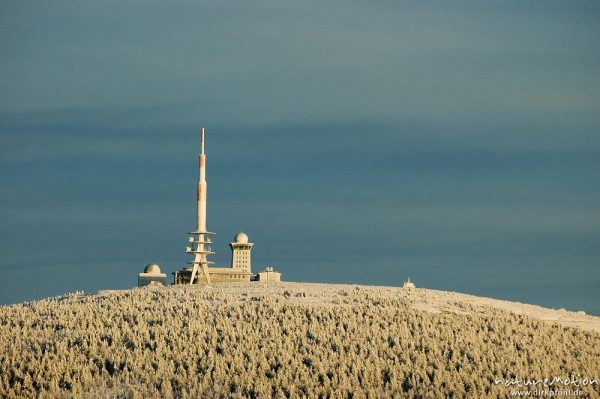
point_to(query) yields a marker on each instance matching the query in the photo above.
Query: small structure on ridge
(151, 276)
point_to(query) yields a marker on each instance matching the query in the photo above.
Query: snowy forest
(288, 341)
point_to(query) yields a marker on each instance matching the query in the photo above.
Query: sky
(455, 143)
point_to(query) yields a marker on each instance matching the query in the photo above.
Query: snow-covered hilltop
(288, 340)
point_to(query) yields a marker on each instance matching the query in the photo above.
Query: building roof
(152, 268)
(241, 238)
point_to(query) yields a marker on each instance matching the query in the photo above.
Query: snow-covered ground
(421, 299)
(288, 340)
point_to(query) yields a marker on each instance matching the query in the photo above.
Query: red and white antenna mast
(200, 237)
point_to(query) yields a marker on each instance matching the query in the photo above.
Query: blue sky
(457, 143)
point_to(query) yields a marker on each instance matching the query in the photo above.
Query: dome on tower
(152, 268)
(241, 238)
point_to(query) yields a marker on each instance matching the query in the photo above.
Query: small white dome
(241, 238)
(152, 268)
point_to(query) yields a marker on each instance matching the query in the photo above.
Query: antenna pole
(202, 141)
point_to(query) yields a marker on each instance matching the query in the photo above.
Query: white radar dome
(152, 268)
(241, 238)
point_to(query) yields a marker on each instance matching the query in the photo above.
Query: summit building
(200, 270)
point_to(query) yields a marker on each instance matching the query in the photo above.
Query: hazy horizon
(457, 144)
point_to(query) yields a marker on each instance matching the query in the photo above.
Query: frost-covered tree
(292, 342)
